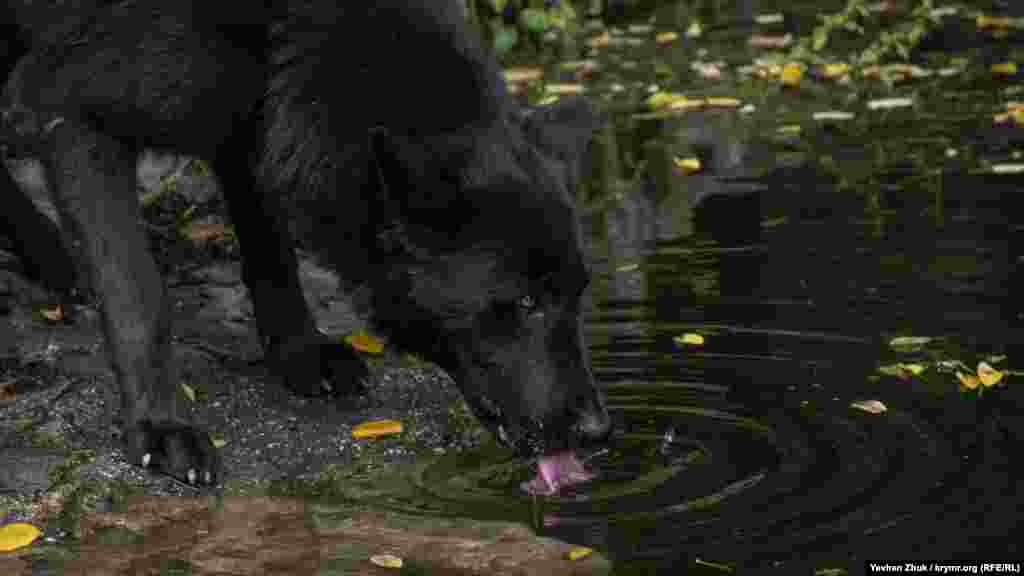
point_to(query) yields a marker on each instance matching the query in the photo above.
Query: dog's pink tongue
(556, 471)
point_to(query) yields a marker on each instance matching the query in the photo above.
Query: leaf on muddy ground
(869, 406)
(519, 74)
(205, 231)
(769, 41)
(365, 342)
(579, 552)
(375, 428)
(689, 339)
(17, 535)
(687, 165)
(52, 313)
(792, 74)
(665, 37)
(1004, 69)
(909, 343)
(890, 103)
(386, 560)
(834, 70)
(564, 89)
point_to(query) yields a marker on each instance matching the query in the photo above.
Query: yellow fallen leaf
(579, 552)
(968, 381)
(792, 73)
(870, 406)
(988, 375)
(377, 428)
(665, 37)
(834, 70)
(687, 165)
(365, 342)
(17, 535)
(1004, 69)
(984, 21)
(720, 102)
(690, 338)
(386, 560)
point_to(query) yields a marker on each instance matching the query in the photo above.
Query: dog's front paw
(173, 448)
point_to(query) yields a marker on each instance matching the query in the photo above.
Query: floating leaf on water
(365, 342)
(909, 343)
(901, 370)
(890, 103)
(218, 442)
(579, 552)
(988, 375)
(772, 18)
(833, 115)
(789, 129)
(870, 406)
(1008, 168)
(665, 37)
(188, 391)
(689, 339)
(627, 267)
(968, 381)
(375, 428)
(17, 535)
(792, 74)
(386, 560)
(694, 30)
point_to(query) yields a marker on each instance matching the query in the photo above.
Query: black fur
(380, 133)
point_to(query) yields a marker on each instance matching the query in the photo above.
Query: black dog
(384, 130)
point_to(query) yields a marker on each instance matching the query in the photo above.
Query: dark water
(798, 259)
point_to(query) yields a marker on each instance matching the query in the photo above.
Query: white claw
(145, 459)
